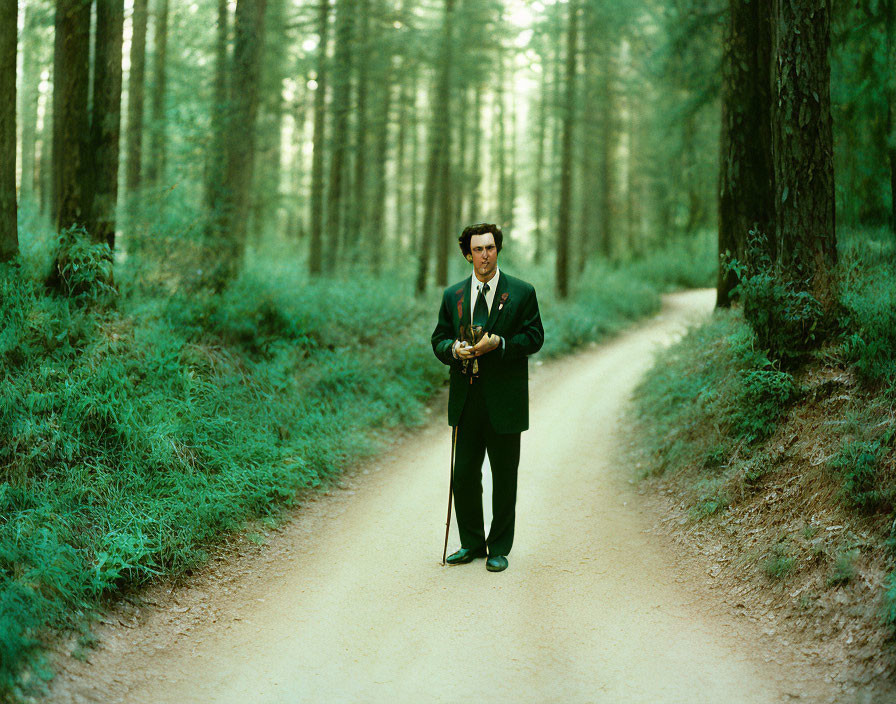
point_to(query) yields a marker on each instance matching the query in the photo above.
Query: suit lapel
(496, 303)
(464, 307)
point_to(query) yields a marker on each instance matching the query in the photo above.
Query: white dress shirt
(489, 295)
(474, 295)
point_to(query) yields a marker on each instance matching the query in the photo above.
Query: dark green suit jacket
(504, 374)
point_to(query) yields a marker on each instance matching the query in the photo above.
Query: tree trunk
(747, 174)
(71, 124)
(136, 87)
(501, 138)
(28, 100)
(565, 201)
(357, 211)
(474, 171)
(158, 143)
(376, 232)
(215, 159)
(315, 252)
(342, 61)
(245, 76)
(803, 148)
(265, 201)
(106, 119)
(446, 193)
(538, 196)
(607, 141)
(440, 136)
(9, 239)
(891, 104)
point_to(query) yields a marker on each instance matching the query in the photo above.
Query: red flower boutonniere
(460, 303)
(504, 297)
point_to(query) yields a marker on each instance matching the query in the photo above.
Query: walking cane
(450, 492)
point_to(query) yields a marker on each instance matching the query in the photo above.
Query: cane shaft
(450, 493)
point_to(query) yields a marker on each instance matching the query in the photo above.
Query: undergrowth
(141, 419)
(712, 399)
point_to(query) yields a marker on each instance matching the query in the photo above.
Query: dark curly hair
(481, 228)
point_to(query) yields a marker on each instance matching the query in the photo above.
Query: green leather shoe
(465, 555)
(496, 563)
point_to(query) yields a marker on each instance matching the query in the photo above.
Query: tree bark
(106, 119)
(803, 148)
(340, 108)
(315, 252)
(216, 157)
(890, 29)
(747, 174)
(565, 202)
(158, 142)
(357, 209)
(376, 232)
(136, 92)
(606, 99)
(266, 188)
(71, 123)
(245, 76)
(9, 241)
(433, 231)
(539, 183)
(28, 101)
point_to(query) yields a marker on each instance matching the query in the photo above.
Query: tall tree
(245, 76)
(158, 141)
(266, 200)
(71, 124)
(315, 252)
(342, 64)
(106, 119)
(435, 229)
(357, 212)
(136, 85)
(747, 174)
(803, 147)
(214, 174)
(9, 242)
(565, 203)
(28, 97)
(890, 64)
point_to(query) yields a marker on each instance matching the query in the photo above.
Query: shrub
(779, 563)
(858, 463)
(788, 321)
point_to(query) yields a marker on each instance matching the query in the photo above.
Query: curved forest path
(348, 601)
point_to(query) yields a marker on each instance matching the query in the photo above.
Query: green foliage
(606, 300)
(858, 463)
(779, 563)
(844, 567)
(762, 396)
(685, 262)
(787, 320)
(890, 601)
(82, 270)
(710, 391)
(868, 261)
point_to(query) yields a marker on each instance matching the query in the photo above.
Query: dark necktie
(480, 312)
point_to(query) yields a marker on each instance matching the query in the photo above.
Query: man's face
(483, 255)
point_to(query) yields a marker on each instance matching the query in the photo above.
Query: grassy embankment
(139, 425)
(808, 443)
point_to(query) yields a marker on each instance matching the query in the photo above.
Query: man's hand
(463, 350)
(488, 343)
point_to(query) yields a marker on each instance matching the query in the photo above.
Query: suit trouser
(475, 437)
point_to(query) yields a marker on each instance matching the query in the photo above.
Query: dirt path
(349, 603)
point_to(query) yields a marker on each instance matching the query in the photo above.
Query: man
(488, 401)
